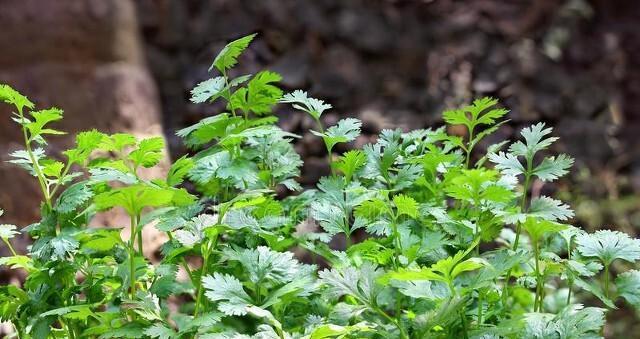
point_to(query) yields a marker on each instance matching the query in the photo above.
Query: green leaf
(260, 94)
(61, 247)
(134, 198)
(208, 90)
(73, 197)
(351, 162)
(194, 231)
(478, 113)
(86, 142)
(574, 321)
(535, 140)
(148, 153)
(179, 169)
(160, 331)
(228, 57)
(41, 119)
(549, 209)
(628, 285)
(303, 102)
(551, 168)
(507, 163)
(357, 282)
(228, 292)
(608, 246)
(13, 97)
(405, 205)
(264, 264)
(331, 331)
(538, 228)
(345, 130)
(117, 142)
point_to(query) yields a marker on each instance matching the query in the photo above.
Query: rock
(81, 31)
(83, 57)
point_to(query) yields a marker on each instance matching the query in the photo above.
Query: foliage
(435, 246)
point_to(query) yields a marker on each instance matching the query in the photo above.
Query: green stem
(606, 280)
(480, 302)
(132, 256)
(523, 208)
(36, 165)
(570, 279)
(396, 322)
(205, 263)
(537, 301)
(397, 242)
(469, 149)
(13, 252)
(463, 319)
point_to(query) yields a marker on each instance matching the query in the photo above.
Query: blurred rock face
(83, 56)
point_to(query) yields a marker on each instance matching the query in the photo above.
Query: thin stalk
(463, 319)
(205, 263)
(537, 301)
(132, 255)
(140, 240)
(480, 302)
(397, 242)
(469, 149)
(606, 280)
(396, 322)
(36, 165)
(185, 265)
(64, 174)
(570, 278)
(523, 208)
(13, 251)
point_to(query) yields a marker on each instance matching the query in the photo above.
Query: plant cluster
(436, 243)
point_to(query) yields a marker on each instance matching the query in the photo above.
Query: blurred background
(128, 65)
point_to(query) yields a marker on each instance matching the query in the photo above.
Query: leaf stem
(13, 251)
(32, 158)
(205, 263)
(606, 280)
(132, 255)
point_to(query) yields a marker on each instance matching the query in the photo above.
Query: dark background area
(573, 64)
(128, 65)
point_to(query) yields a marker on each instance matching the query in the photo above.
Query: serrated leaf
(148, 153)
(303, 102)
(357, 282)
(260, 94)
(13, 97)
(507, 163)
(178, 170)
(551, 168)
(345, 130)
(264, 264)
(160, 331)
(228, 292)
(608, 246)
(405, 205)
(208, 90)
(228, 56)
(537, 228)
(134, 198)
(350, 162)
(73, 197)
(628, 286)
(549, 209)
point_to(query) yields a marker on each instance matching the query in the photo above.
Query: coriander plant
(438, 241)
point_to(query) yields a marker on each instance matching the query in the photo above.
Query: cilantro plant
(433, 240)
